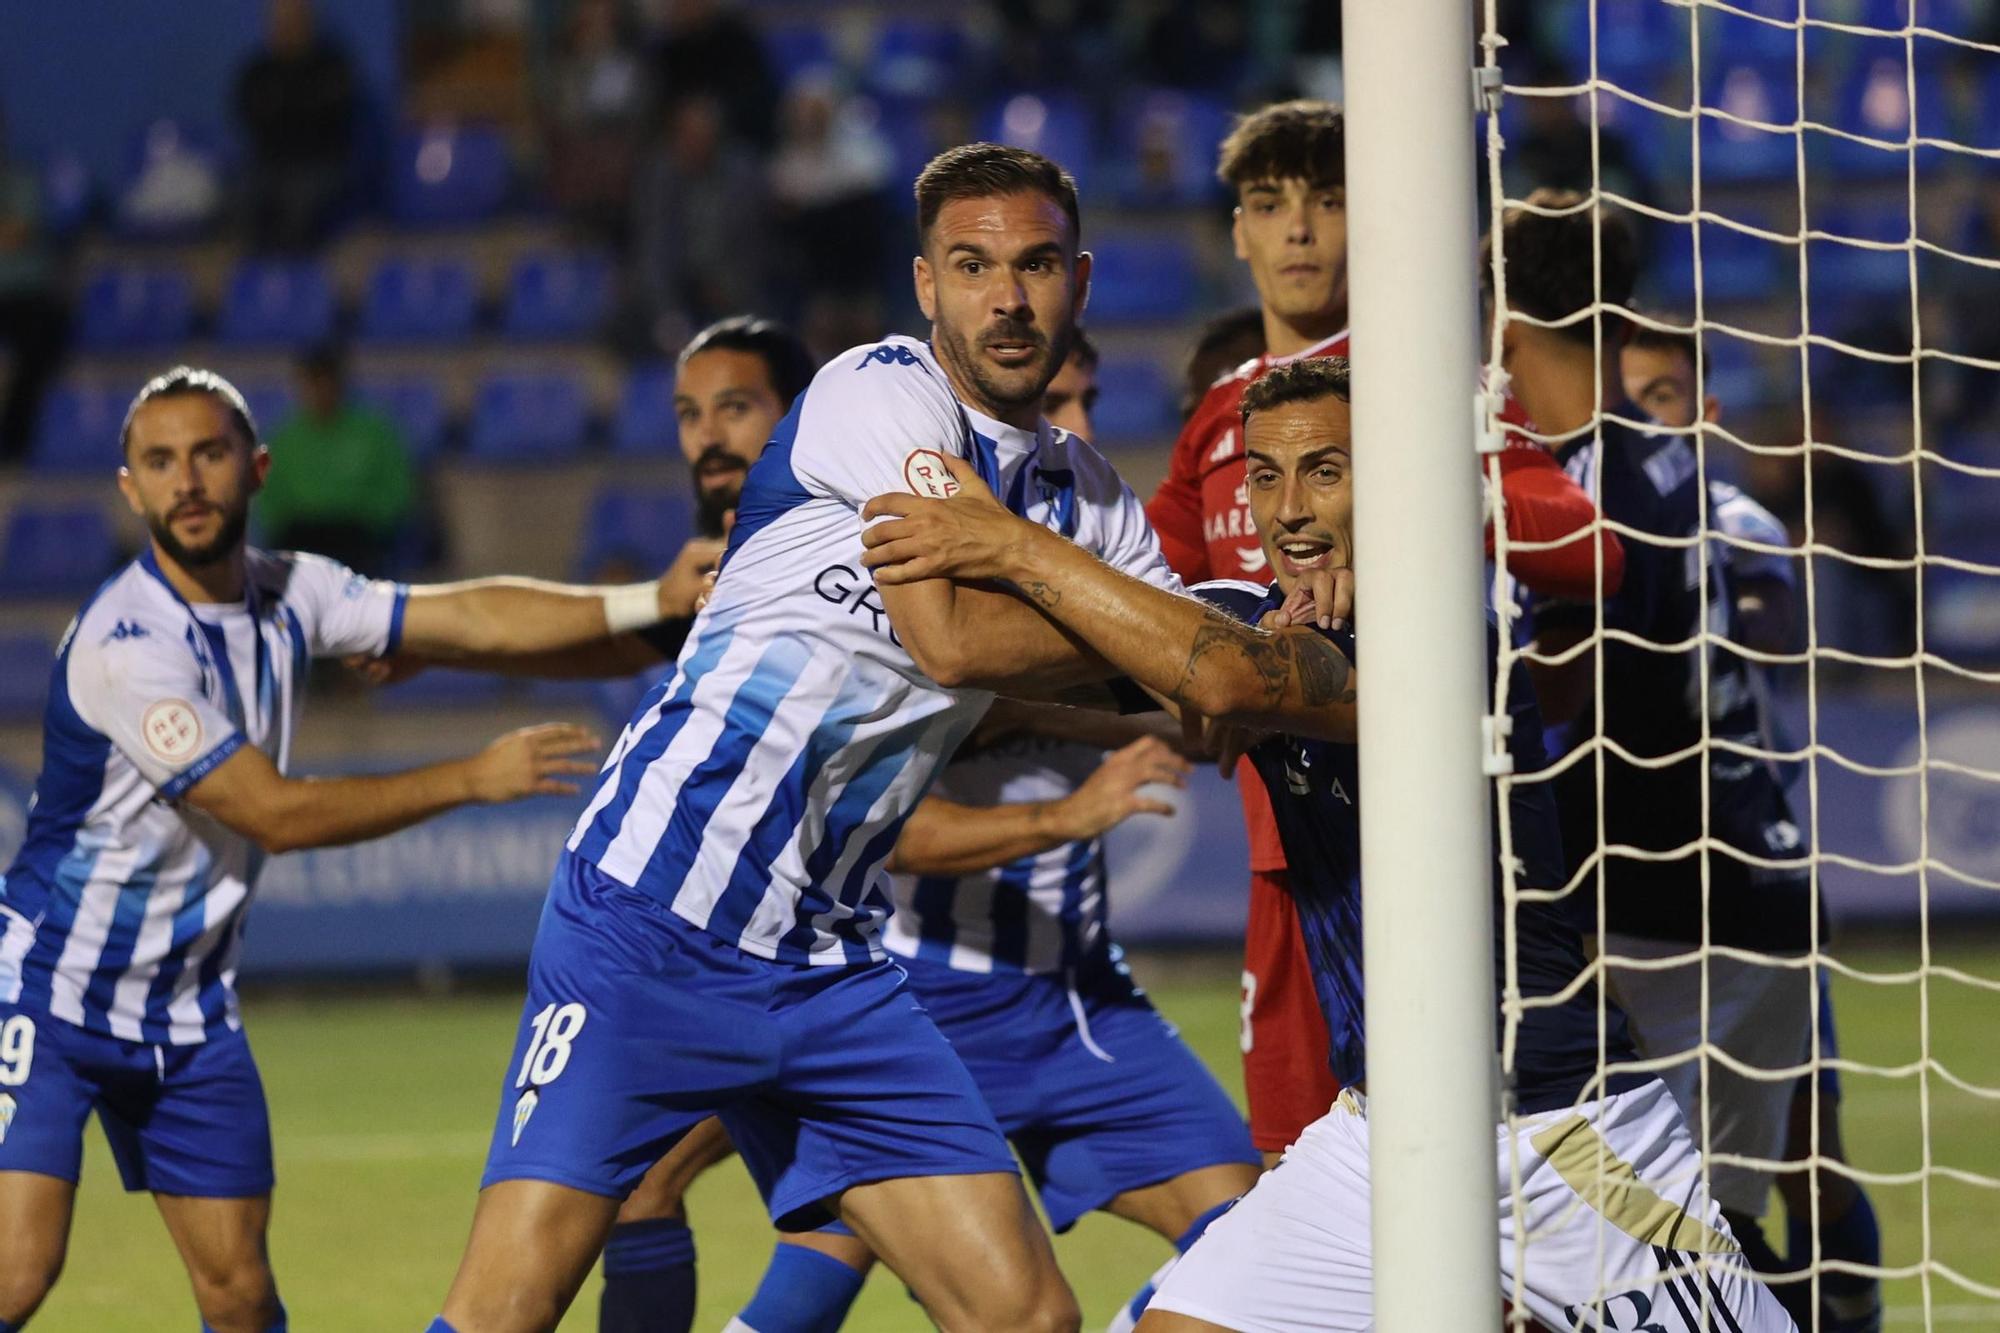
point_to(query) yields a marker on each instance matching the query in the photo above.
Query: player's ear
(260, 468)
(926, 284)
(1083, 267)
(1236, 232)
(1711, 410)
(129, 488)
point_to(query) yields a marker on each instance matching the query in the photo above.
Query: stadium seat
(68, 193)
(125, 307)
(1637, 42)
(77, 430)
(645, 422)
(56, 550)
(1841, 274)
(1962, 612)
(448, 174)
(552, 296)
(1736, 152)
(25, 662)
(173, 182)
(271, 403)
(1874, 101)
(1135, 403)
(416, 404)
(1737, 38)
(522, 417)
(1734, 266)
(1167, 154)
(1056, 125)
(419, 300)
(917, 58)
(794, 48)
(1142, 279)
(645, 527)
(277, 303)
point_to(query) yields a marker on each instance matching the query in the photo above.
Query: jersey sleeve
(144, 693)
(1175, 509)
(343, 612)
(1246, 602)
(873, 421)
(1126, 538)
(1542, 504)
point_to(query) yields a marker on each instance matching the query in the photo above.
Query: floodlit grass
(382, 1104)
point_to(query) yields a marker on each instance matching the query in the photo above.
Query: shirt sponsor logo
(172, 730)
(925, 473)
(852, 590)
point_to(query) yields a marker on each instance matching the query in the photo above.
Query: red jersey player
(1286, 164)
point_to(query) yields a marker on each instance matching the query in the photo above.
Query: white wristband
(631, 606)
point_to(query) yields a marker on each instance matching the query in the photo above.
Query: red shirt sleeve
(1175, 509)
(1544, 505)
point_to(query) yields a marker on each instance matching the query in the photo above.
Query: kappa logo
(888, 356)
(524, 1107)
(8, 1108)
(127, 629)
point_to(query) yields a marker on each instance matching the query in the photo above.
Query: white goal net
(1811, 189)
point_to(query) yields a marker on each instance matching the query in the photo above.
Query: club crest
(523, 1108)
(7, 1109)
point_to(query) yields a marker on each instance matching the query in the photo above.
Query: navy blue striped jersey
(1316, 792)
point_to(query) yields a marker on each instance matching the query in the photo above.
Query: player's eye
(1327, 474)
(971, 268)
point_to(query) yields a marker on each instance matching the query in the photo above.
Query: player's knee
(26, 1279)
(239, 1295)
(1050, 1307)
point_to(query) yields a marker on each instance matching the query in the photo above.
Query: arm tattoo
(1042, 594)
(1301, 664)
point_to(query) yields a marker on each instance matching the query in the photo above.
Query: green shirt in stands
(349, 469)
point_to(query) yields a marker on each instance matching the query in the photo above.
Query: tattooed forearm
(1044, 595)
(1323, 672)
(1262, 672)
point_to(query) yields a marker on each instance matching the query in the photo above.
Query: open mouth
(1302, 554)
(1013, 353)
(724, 466)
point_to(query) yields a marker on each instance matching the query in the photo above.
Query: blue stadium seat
(522, 417)
(271, 403)
(1056, 125)
(416, 404)
(1844, 274)
(1733, 372)
(56, 550)
(129, 306)
(78, 428)
(448, 174)
(558, 296)
(25, 663)
(1637, 42)
(413, 299)
(68, 193)
(1962, 611)
(187, 161)
(1874, 101)
(1734, 266)
(1142, 278)
(794, 48)
(647, 527)
(1135, 403)
(1731, 151)
(1734, 38)
(645, 422)
(277, 303)
(1167, 151)
(917, 58)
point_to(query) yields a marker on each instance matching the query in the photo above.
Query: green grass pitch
(381, 1105)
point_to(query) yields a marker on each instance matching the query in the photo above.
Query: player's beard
(1026, 384)
(226, 542)
(712, 503)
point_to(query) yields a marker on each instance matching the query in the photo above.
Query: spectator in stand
(698, 242)
(597, 105)
(829, 181)
(34, 324)
(706, 47)
(341, 483)
(296, 103)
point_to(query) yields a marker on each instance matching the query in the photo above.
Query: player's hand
(967, 536)
(390, 670)
(533, 761)
(1112, 794)
(1324, 597)
(686, 580)
(707, 591)
(1222, 742)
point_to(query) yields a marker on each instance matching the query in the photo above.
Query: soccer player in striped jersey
(1659, 375)
(710, 945)
(164, 788)
(1294, 1253)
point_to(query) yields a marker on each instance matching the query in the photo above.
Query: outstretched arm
(248, 795)
(1177, 647)
(945, 838)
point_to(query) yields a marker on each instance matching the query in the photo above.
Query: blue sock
(6, 1327)
(439, 1326)
(649, 1281)
(1854, 1236)
(803, 1291)
(278, 1325)
(1137, 1305)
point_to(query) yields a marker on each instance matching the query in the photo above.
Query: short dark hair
(1681, 341)
(1225, 343)
(1306, 380)
(183, 381)
(783, 353)
(1081, 349)
(977, 170)
(1299, 140)
(1548, 251)
(327, 358)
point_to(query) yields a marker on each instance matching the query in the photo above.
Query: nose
(1299, 223)
(1293, 511)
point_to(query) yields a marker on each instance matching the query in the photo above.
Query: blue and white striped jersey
(1040, 914)
(123, 911)
(760, 786)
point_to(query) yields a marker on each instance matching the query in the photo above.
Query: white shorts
(1760, 1014)
(1611, 1231)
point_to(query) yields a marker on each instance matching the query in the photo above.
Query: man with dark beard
(171, 713)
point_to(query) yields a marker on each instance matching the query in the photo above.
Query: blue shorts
(181, 1119)
(1098, 1092)
(638, 1025)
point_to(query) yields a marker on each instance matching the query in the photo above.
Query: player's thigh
(1293, 1254)
(533, 1243)
(1171, 1207)
(46, 1090)
(1613, 1198)
(663, 1191)
(925, 1228)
